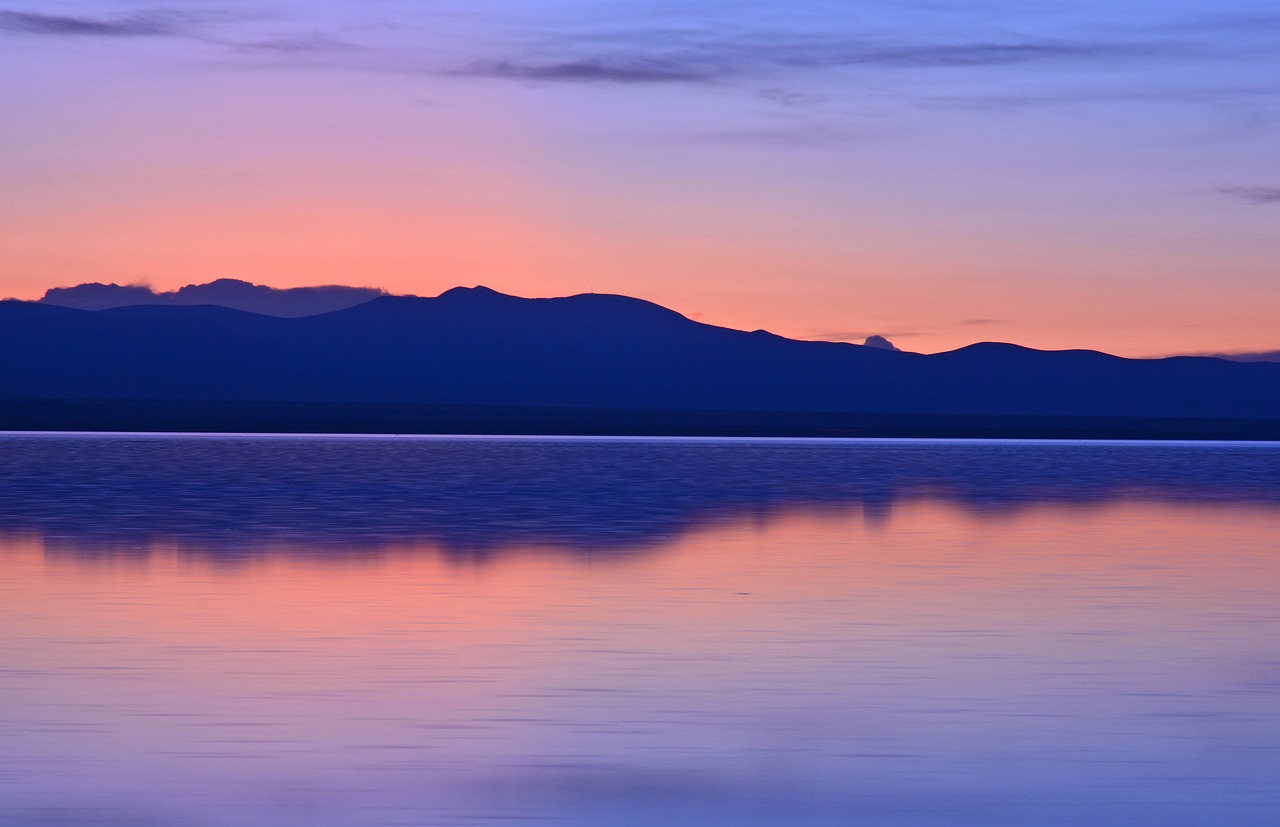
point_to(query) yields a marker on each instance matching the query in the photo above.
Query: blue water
(214, 630)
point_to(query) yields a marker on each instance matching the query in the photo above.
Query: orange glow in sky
(1124, 204)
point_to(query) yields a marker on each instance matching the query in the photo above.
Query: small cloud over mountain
(1260, 356)
(880, 343)
(233, 293)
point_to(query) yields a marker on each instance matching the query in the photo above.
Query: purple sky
(1061, 174)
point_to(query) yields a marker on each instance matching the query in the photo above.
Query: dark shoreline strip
(392, 418)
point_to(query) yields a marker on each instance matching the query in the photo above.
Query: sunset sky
(1054, 173)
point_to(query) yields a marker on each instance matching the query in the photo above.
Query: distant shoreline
(162, 416)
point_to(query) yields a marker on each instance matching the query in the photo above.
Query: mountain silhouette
(233, 293)
(474, 348)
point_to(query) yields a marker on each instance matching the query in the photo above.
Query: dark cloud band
(55, 25)
(710, 61)
(585, 71)
(1254, 195)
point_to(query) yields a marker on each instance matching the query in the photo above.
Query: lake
(256, 630)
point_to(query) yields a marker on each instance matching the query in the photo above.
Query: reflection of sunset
(938, 635)
(1048, 570)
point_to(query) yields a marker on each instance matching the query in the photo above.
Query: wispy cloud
(802, 135)
(857, 336)
(1254, 23)
(1251, 356)
(643, 61)
(978, 54)
(309, 43)
(140, 25)
(1259, 95)
(1253, 195)
(587, 71)
(786, 96)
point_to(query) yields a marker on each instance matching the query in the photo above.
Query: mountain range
(473, 359)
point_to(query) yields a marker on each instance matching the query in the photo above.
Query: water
(215, 631)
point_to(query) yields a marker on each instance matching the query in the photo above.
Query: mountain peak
(477, 292)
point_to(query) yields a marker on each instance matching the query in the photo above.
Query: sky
(1054, 173)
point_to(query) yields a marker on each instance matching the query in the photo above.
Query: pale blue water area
(252, 630)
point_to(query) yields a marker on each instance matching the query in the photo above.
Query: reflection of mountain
(631, 366)
(230, 497)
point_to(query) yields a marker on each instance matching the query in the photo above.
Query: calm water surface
(215, 631)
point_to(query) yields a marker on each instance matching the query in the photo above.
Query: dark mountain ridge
(478, 347)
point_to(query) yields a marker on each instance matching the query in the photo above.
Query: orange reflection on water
(978, 649)
(1046, 563)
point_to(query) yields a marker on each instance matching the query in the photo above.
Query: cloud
(784, 96)
(312, 42)
(879, 342)
(955, 54)
(1250, 23)
(639, 59)
(1262, 356)
(1253, 96)
(857, 337)
(142, 25)
(807, 135)
(1253, 195)
(586, 71)
(233, 293)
